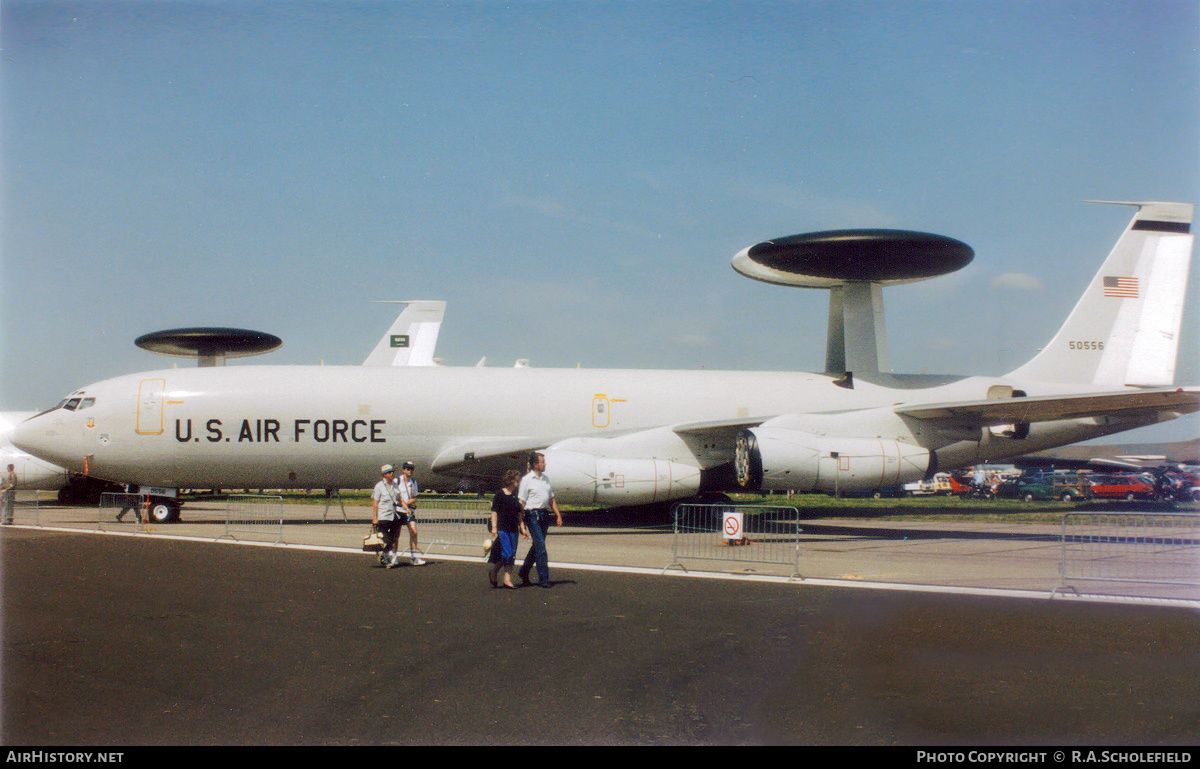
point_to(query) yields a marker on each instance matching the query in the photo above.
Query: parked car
(941, 483)
(1068, 488)
(920, 489)
(1128, 487)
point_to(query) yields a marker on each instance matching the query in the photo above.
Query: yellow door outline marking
(601, 410)
(151, 393)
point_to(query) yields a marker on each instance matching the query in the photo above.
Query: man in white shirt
(407, 513)
(537, 498)
(385, 504)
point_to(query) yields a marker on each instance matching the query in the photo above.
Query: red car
(1122, 487)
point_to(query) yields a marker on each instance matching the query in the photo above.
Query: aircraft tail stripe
(1181, 228)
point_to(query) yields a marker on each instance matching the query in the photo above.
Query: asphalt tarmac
(125, 641)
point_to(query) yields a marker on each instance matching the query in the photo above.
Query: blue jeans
(537, 521)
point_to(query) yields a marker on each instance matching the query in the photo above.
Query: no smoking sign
(731, 525)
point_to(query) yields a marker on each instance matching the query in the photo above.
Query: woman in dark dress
(506, 526)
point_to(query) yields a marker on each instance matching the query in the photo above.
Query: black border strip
(1184, 228)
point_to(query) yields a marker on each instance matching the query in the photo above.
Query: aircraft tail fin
(1124, 331)
(413, 336)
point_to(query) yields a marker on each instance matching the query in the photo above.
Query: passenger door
(150, 406)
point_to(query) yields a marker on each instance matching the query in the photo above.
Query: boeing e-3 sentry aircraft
(624, 437)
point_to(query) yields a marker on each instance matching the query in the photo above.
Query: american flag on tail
(1125, 288)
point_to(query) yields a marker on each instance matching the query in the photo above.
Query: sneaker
(418, 562)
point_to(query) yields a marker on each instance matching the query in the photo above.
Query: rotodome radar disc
(836, 257)
(208, 342)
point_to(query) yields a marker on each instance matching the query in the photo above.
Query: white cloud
(567, 212)
(1017, 281)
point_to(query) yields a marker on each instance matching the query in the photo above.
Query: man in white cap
(385, 504)
(406, 514)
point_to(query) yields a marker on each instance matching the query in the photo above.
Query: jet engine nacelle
(585, 479)
(778, 458)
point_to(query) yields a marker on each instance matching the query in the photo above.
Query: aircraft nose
(38, 436)
(21, 436)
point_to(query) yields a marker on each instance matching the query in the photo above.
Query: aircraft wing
(1047, 408)
(718, 427)
(711, 443)
(487, 458)
(1128, 464)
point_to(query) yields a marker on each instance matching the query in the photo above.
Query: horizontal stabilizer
(998, 411)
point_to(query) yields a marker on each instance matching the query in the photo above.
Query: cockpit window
(69, 403)
(86, 403)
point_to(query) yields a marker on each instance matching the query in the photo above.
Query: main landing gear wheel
(162, 511)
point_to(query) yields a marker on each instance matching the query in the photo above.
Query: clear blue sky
(573, 178)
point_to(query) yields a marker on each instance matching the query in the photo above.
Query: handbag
(373, 542)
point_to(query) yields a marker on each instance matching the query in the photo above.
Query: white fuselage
(333, 426)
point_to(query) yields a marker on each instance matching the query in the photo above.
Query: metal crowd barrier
(736, 534)
(123, 512)
(451, 523)
(1146, 548)
(25, 507)
(250, 514)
